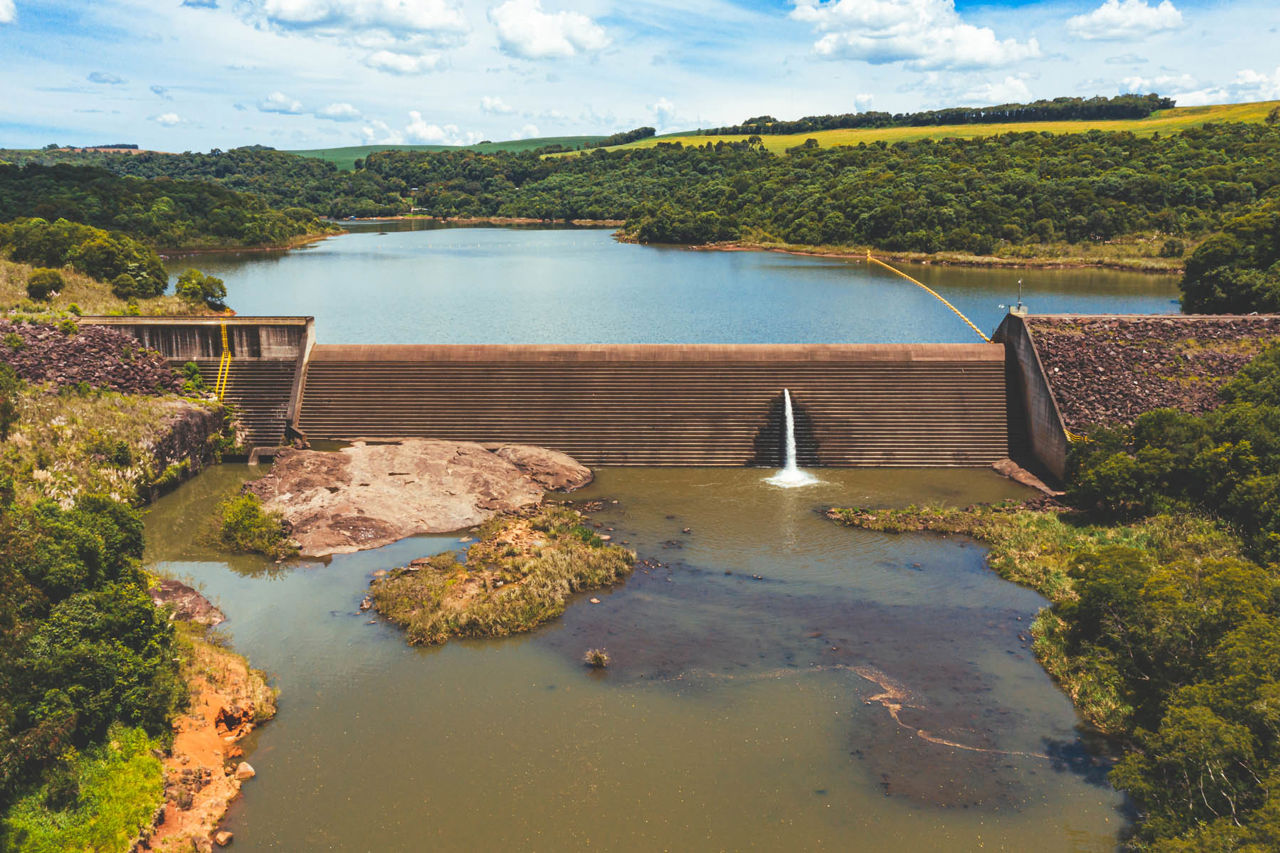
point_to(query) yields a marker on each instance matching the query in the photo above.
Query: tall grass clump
(519, 575)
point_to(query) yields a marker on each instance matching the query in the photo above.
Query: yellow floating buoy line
(931, 292)
(224, 367)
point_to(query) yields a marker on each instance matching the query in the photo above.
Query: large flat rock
(369, 495)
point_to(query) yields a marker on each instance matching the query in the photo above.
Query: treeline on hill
(1058, 109)
(623, 138)
(1192, 647)
(286, 181)
(162, 213)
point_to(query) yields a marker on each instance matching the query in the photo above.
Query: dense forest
(1058, 109)
(162, 213)
(1192, 647)
(1012, 194)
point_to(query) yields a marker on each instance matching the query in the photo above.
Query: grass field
(345, 158)
(1163, 121)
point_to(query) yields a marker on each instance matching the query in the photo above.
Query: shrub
(124, 286)
(43, 283)
(245, 526)
(1172, 249)
(596, 658)
(192, 379)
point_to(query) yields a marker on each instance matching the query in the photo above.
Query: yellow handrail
(931, 291)
(224, 367)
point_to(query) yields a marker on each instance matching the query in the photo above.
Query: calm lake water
(779, 683)
(739, 711)
(399, 282)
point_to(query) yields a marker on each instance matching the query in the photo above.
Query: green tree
(198, 288)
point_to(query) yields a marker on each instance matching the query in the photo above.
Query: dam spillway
(910, 405)
(855, 405)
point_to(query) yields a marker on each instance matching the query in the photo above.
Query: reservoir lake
(778, 682)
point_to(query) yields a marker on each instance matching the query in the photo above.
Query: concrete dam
(855, 405)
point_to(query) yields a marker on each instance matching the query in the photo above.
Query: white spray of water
(790, 476)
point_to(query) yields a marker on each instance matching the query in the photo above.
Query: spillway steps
(260, 391)
(680, 405)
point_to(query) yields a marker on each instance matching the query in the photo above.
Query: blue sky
(198, 74)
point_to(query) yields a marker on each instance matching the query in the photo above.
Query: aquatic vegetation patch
(518, 575)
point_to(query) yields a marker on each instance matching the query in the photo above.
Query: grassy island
(518, 575)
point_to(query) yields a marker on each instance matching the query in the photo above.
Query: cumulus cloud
(663, 112)
(418, 131)
(1162, 83)
(438, 18)
(400, 35)
(339, 112)
(1116, 20)
(1247, 85)
(106, 78)
(402, 63)
(921, 34)
(167, 119)
(526, 31)
(529, 131)
(7, 12)
(495, 106)
(1010, 90)
(279, 102)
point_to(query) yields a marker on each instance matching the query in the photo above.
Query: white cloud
(436, 18)
(1115, 20)
(494, 105)
(7, 12)
(105, 78)
(1162, 84)
(161, 92)
(279, 102)
(664, 113)
(417, 132)
(1010, 90)
(402, 63)
(167, 119)
(922, 34)
(529, 131)
(526, 31)
(1247, 85)
(339, 112)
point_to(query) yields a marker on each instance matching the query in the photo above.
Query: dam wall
(1040, 425)
(855, 405)
(268, 356)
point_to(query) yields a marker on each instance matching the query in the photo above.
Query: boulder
(185, 602)
(551, 469)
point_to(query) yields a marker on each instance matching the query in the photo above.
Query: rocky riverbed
(369, 495)
(1109, 370)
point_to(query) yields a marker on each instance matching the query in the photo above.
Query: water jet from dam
(790, 477)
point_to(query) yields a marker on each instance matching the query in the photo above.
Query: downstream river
(778, 682)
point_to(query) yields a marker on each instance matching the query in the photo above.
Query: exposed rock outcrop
(369, 495)
(186, 603)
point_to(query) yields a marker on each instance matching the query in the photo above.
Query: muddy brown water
(778, 683)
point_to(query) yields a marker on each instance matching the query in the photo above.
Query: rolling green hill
(1162, 121)
(345, 158)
